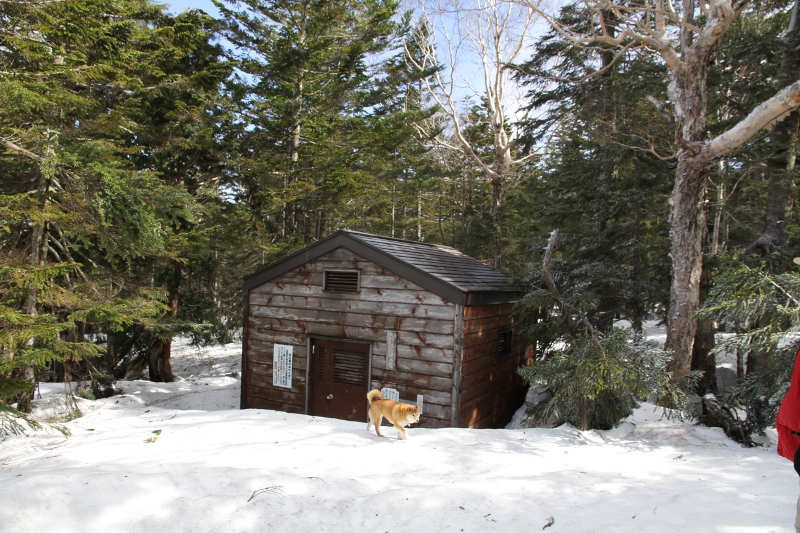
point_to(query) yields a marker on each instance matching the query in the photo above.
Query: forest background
(151, 159)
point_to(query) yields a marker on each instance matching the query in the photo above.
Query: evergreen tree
(306, 96)
(604, 185)
(592, 377)
(759, 300)
(175, 119)
(685, 42)
(407, 176)
(69, 201)
(80, 210)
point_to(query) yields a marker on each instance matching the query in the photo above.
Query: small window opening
(504, 343)
(341, 280)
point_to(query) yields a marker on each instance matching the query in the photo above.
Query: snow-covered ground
(181, 457)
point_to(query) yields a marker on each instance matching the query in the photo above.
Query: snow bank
(180, 457)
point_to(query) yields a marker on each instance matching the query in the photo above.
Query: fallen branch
(276, 490)
(563, 306)
(551, 284)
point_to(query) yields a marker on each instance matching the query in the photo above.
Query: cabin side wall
(293, 308)
(491, 390)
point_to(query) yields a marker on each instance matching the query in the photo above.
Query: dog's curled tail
(373, 395)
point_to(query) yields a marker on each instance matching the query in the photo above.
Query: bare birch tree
(478, 41)
(684, 34)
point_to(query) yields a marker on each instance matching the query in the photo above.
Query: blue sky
(176, 6)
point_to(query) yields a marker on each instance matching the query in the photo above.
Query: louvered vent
(349, 368)
(321, 364)
(341, 280)
(504, 343)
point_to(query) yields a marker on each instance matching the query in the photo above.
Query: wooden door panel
(339, 379)
(349, 381)
(349, 368)
(317, 379)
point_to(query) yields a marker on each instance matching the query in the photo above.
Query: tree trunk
(111, 356)
(154, 366)
(36, 259)
(419, 214)
(494, 242)
(757, 362)
(687, 227)
(688, 89)
(290, 208)
(781, 163)
(780, 202)
(392, 222)
(704, 341)
(173, 286)
(639, 310)
(718, 236)
(160, 363)
(740, 364)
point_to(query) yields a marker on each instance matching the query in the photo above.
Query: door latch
(330, 396)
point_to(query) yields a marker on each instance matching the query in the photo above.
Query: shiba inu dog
(399, 414)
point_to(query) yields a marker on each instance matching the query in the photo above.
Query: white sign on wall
(419, 403)
(282, 366)
(391, 350)
(390, 394)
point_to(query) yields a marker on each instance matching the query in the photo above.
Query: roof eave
(342, 239)
(492, 297)
(295, 260)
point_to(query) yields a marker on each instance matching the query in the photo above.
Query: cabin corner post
(308, 373)
(245, 320)
(458, 338)
(369, 377)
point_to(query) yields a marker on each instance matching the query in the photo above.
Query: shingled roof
(442, 270)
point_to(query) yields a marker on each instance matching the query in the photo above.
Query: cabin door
(339, 379)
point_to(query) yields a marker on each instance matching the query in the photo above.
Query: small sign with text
(282, 366)
(390, 394)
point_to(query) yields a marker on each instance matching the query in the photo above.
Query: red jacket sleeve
(788, 418)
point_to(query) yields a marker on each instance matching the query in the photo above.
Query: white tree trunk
(650, 25)
(491, 34)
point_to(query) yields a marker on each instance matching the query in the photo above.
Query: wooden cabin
(357, 311)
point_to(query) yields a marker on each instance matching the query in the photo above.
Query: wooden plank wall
(491, 390)
(293, 307)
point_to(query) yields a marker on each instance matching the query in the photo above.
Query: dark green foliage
(107, 133)
(146, 170)
(756, 299)
(744, 73)
(606, 177)
(595, 373)
(13, 422)
(36, 341)
(310, 124)
(610, 169)
(751, 406)
(176, 122)
(407, 199)
(595, 383)
(760, 301)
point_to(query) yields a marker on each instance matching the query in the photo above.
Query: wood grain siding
(293, 307)
(458, 360)
(490, 388)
